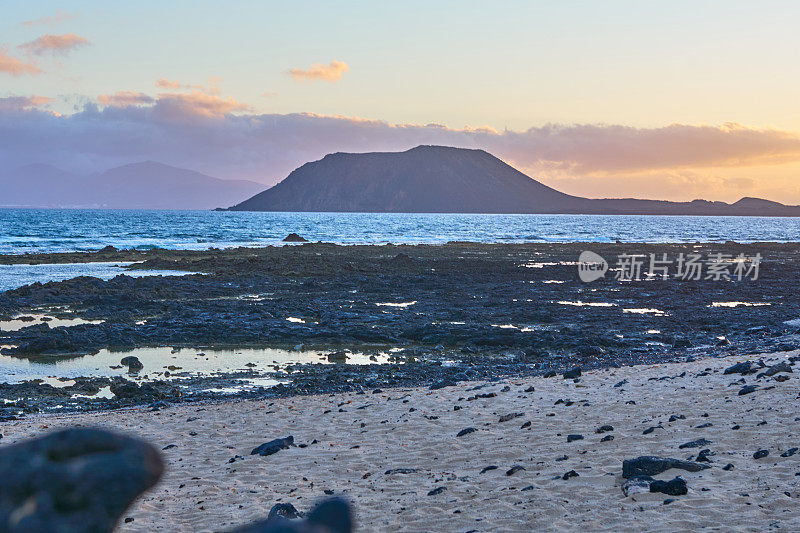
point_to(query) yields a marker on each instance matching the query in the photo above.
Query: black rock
(466, 431)
(694, 444)
(747, 389)
(648, 465)
(728, 466)
(569, 474)
(747, 367)
(760, 454)
(572, 438)
(74, 480)
(621, 383)
(573, 373)
(775, 369)
(674, 487)
(514, 469)
(681, 344)
(273, 446)
(604, 428)
(294, 237)
(673, 418)
(488, 468)
(510, 416)
(393, 471)
(283, 510)
(607, 438)
(132, 362)
(790, 452)
(331, 516)
(437, 490)
(550, 374)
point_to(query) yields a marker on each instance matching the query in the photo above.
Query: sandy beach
(348, 444)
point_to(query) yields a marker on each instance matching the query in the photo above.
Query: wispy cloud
(51, 20)
(331, 72)
(125, 99)
(21, 103)
(56, 44)
(14, 66)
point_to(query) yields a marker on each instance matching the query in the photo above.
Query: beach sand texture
(359, 437)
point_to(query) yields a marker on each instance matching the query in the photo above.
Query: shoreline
(361, 436)
(454, 312)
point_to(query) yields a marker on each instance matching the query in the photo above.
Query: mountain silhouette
(146, 185)
(441, 179)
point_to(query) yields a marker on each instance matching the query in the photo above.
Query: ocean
(64, 230)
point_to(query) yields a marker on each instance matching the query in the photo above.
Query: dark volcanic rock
(466, 431)
(283, 510)
(77, 480)
(294, 237)
(273, 446)
(132, 362)
(694, 444)
(747, 367)
(775, 369)
(331, 516)
(573, 373)
(572, 438)
(747, 389)
(760, 454)
(648, 465)
(674, 487)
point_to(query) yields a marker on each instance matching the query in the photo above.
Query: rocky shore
(452, 313)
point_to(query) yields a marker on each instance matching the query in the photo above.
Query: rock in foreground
(74, 480)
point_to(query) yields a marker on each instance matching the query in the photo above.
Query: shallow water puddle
(33, 319)
(579, 303)
(645, 311)
(171, 363)
(738, 304)
(397, 304)
(15, 276)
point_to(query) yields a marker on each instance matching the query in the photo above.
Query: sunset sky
(672, 100)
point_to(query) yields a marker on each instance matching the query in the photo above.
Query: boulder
(75, 480)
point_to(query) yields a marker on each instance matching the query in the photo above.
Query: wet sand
(359, 437)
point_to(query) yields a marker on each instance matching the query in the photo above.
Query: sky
(676, 100)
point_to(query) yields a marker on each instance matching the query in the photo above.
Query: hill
(440, 179)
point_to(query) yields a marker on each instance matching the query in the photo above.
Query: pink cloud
(318, 72)
(16, 67)
(57, 44)
(199, 104)
(51, 20)
(125, 99)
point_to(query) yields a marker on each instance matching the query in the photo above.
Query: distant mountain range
(146, 185)
(440, 179)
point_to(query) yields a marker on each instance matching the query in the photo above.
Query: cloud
(218, 136)
(164, 83)
(125, 99)
(612, 148)
(51, 20)
(198, 104)
(21, 103)
(56, 44)
(16, 67)
(319, 72)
